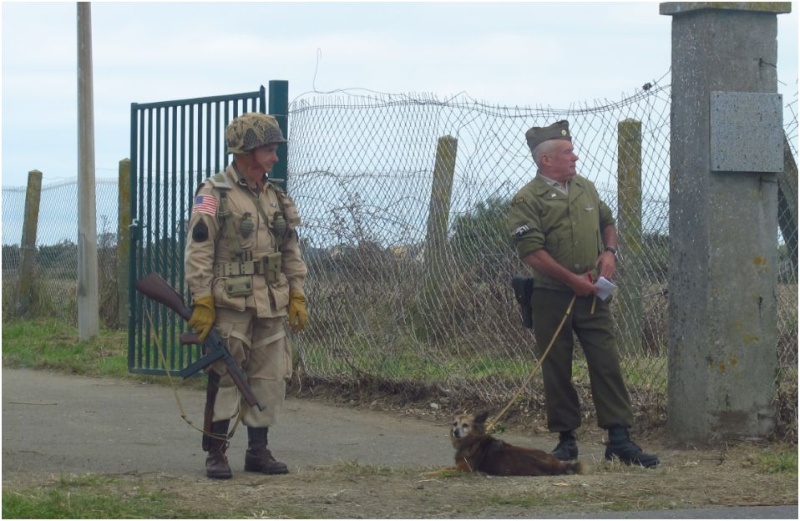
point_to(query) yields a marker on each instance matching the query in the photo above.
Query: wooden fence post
(123, 242)
(441, 191)
(629, 186)
(33, 195)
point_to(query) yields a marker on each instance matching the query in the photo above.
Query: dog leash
(491, 425)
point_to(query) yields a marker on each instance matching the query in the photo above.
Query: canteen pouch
(272, 267)
(523, 291)
(239, 286)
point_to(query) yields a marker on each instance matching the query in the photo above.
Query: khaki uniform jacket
(209, 244)
(567, 226)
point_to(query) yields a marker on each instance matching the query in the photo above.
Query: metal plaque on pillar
(746, 132)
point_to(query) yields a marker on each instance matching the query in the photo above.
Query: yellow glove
(203, 316)
(297, 311)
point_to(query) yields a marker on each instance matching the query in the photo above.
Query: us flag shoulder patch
(205, 204)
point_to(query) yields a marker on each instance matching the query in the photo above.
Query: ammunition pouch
(269, 266)
(239, 286)
(523, 291)
(272, 267)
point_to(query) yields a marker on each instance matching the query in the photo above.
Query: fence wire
(384, 306)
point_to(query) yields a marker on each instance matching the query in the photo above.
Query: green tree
(481, 236)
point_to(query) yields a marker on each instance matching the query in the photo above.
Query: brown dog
(478, 451)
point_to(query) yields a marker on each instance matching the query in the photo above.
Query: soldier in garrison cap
(246, 274)
(566, 234)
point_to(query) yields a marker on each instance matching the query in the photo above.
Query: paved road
(70, 424)
(54, 423)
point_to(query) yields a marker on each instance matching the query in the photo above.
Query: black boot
(216, 462)
(258, 458)
(621, 446)
(567, 448)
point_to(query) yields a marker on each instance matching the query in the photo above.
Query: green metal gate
(174, 146)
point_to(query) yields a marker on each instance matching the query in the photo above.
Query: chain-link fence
(385, 306)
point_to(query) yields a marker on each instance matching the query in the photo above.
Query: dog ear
(481, 418)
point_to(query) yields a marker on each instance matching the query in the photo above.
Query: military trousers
(595, 333)
(263, 351)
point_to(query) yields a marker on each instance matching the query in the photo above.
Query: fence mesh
(385, 304)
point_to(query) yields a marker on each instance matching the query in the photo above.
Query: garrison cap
(537, 135)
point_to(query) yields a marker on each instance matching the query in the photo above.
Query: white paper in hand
(605, 288)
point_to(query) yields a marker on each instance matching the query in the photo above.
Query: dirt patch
(688, 479)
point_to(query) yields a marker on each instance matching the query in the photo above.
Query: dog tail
(575, 468)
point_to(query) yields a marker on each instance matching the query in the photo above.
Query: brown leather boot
(258, 457)
(216, 462)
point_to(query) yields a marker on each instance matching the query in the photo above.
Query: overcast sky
(525, 54)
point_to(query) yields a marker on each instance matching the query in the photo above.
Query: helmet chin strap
(249, 168)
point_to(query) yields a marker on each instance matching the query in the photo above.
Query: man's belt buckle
(235, 269)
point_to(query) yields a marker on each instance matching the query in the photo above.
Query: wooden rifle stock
(154, 287)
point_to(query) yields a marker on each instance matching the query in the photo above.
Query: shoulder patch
(205, 204)
(518, 199)
(522, 230)
(200, 232)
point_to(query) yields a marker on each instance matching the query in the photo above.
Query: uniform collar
(241, 180)
(544, 184)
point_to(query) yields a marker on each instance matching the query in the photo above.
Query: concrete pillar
(726, 150)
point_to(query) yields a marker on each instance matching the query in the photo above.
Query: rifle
(154, 287)
(523, 290)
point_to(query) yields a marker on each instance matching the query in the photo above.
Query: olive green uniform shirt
(569, 227)
(566, 225)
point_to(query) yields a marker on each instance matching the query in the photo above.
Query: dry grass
(687, 478)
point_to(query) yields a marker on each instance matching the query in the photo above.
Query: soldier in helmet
(566, 234)
(245, 274)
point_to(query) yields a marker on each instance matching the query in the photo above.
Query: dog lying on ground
(477, 451)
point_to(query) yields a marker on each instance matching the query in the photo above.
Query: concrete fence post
(629, 197)
(33, 195)
(726, 150)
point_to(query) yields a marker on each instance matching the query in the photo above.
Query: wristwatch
(612, 250)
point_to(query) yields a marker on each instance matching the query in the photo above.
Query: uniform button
(577, 266)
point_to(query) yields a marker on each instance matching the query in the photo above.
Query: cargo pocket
(224, 299)
(279, 294)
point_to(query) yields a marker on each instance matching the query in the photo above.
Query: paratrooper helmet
(250, 131)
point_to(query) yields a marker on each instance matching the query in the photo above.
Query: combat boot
(567, 448)
(216, 462)
(621, 446)
(258, 457)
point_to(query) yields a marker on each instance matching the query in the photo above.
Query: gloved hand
(297, 311)
(203, 316)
